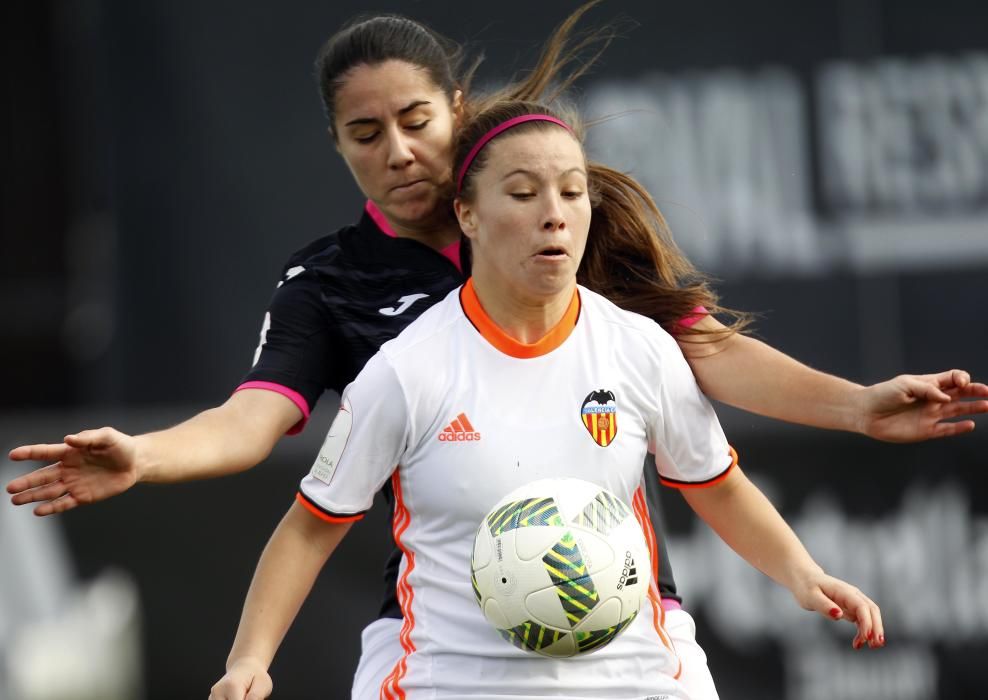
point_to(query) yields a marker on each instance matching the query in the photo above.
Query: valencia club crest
(599, 413)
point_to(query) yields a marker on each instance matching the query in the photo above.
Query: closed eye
(419, 126)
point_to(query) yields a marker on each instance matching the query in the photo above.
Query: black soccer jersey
(339, 299)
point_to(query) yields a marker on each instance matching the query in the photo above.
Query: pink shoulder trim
(292, 395)
(695, 316)
(378, 216)
(451, 252)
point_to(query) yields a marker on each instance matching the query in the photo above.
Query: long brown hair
(631, 257)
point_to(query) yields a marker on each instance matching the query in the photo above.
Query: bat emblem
(599, 415)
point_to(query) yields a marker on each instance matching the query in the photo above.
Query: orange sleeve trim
(703, 484)
(322, 514)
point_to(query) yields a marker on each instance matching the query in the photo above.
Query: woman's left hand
(838, 600)
(911, 408)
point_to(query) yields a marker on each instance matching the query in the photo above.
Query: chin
(418, 211)
(553, 285)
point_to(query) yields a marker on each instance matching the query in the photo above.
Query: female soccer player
(515, 351)
(393, 97)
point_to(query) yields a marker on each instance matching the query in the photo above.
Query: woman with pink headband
(516, 349)
(393, 96)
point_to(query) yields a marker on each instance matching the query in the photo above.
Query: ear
(332, 137)
(458, 108)
(465, 216)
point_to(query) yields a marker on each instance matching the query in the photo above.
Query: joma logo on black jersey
(403, 304)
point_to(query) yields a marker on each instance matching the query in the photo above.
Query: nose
(399, 154)
(554, 220)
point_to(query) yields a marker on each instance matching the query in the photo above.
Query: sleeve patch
(332, 448)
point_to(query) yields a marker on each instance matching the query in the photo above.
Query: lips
(552, 252)
(407, 185)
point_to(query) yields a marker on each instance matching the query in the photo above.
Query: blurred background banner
(827, 160)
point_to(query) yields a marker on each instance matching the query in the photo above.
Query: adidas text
(458, 437)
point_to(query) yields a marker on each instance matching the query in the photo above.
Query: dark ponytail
(374, 40)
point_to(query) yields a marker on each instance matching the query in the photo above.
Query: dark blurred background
(828, 161)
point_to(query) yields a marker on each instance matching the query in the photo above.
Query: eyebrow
(401, 112)
(529, 173)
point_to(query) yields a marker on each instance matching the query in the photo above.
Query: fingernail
(881, 639)
(835, 613)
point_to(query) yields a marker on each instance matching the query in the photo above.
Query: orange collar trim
(505, 343)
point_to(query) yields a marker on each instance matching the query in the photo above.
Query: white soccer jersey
(457, 414)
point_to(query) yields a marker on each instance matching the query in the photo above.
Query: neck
(526, 318)
(438, 232)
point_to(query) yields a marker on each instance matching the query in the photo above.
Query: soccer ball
(560, 567)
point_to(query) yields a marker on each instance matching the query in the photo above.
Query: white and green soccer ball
(560, 567)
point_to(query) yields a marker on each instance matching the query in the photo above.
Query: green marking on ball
(587, 641)
(569, 575)
(531, 512)
(476, 587)
(532, 635)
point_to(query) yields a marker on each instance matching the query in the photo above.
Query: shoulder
(320, 252)
(345, 259)
(602, 311)
(429, 332)
(640, 344)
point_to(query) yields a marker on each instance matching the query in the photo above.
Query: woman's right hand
(87, 467)
(245, 679)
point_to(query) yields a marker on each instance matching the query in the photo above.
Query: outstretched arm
(93, 465)
(746, 373)
(741, 515)
(288, 567)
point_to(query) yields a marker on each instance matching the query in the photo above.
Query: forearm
(745, 519)
(287, 569)
(746, 373)
(223, 440)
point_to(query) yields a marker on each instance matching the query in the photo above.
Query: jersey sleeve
(294, 356)
(363, 447)
(685, 436)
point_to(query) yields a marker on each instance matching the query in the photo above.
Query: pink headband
(497, 130)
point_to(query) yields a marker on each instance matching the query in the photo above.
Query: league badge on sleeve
(332, 448)
(599, 413)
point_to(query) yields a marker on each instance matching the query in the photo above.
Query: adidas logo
(629, 574)
(459, 430)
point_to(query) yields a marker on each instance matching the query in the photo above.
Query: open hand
(912, 408)
(87, 467)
